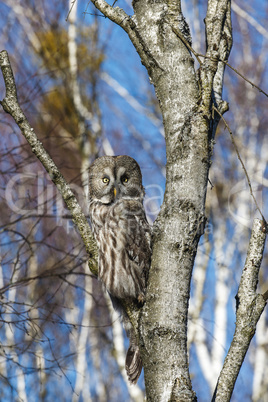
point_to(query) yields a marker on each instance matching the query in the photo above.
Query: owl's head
(115, 177)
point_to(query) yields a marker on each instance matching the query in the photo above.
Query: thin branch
(265, 295)
(121, 18)
(242, 163)
(11, 105)
(72, 5)
(44, 275)
(187, 44)
(116, 14)
(176, 31)
(250, 306)
(240, 75)
(198, 55)
(59, 366)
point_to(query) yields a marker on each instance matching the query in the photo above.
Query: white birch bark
(259, 361)
(11, 342)
(80, 343)
(34, 330)
(134, 391)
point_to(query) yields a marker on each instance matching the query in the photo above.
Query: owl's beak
(114, 192)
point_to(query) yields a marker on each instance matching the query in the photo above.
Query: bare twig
(11, 105)
(198, 55)
(121, 18)
(242, 163)
(176, 31)
(73, 2)
(187, 44)
(44, 275)
(240, 75)
(265, 295)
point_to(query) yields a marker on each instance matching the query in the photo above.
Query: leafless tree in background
(57, 324)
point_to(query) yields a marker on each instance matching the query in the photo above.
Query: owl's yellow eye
(125, 180)
(105, 180)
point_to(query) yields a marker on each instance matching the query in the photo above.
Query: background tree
(53, 329)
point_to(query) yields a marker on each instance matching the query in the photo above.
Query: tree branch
(242, 163)
(219, 43)
(10, 105)
(250, 306)
(119, 16)
(224, 50)
(198, 55)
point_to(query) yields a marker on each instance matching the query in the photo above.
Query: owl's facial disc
(114, 178)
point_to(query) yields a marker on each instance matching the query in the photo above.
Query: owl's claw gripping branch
(11, 105)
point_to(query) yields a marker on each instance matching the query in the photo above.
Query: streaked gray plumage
(123, 236)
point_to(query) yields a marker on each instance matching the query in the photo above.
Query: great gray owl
(123, 236)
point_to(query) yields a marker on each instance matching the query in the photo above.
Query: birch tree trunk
(161, 36)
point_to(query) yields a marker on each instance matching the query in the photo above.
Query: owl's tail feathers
(133, 364)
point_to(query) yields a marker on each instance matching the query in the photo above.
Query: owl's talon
(141, 298)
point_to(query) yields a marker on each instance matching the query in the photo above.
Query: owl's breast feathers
(124, 239)
(123, 235)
